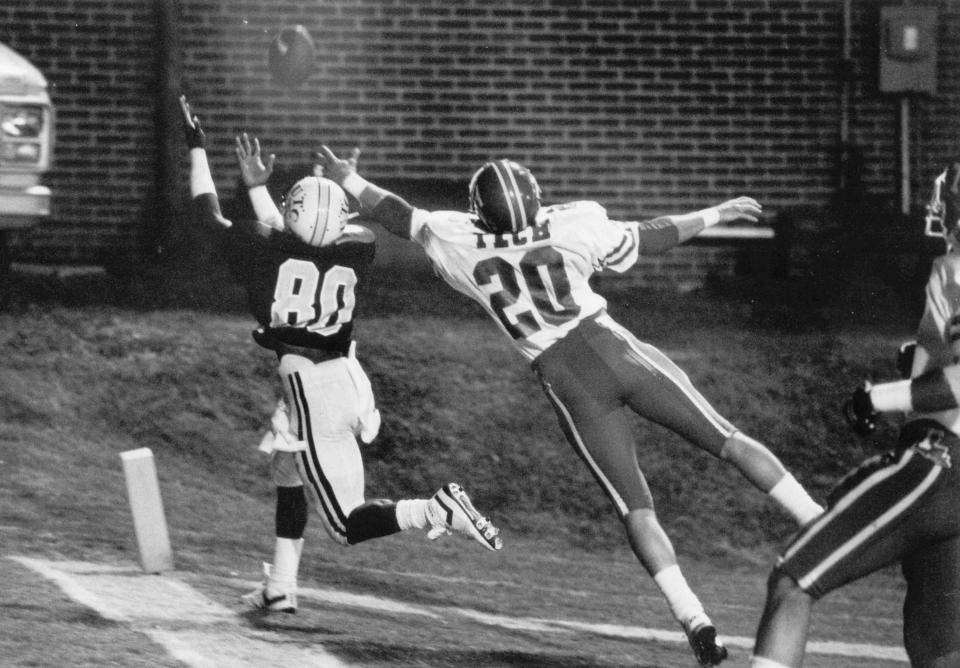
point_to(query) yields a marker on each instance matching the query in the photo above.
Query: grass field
(93, 367)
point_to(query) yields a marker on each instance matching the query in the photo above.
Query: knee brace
(291, 517)
(372, 519)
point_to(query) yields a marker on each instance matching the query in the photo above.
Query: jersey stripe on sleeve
(625, 254)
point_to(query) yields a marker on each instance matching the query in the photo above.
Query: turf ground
(85, 376)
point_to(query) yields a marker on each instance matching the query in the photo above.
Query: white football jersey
(535, 284)
(939, 332)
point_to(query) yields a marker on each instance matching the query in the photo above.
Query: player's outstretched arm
(739, 208)
(935, 390)
(255, 174)
(380, 205)
(206, 205)
(665, 232)
(254, 171)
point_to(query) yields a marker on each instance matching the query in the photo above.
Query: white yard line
(195, 630)
(203, 633)
(541, 625)
(655, 599)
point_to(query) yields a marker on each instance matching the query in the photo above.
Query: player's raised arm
(665, 232)
(932, 391)
(206, 205)
(380, 205)
(255, 174)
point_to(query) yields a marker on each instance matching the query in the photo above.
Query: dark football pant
(889, 506)
(901, 506)
(931, 610)
(594, 373)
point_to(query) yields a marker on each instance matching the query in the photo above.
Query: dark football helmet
(505, 197)
(943, 210)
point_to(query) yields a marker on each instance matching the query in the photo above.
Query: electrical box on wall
(908, 50)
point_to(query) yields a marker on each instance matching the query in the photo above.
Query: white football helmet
(315, 210)
(943, 209)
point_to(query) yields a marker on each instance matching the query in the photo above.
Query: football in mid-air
(291, 56)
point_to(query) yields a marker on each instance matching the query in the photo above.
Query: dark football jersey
(302, 295)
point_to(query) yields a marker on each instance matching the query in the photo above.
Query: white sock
(286, 564)
(761, 662)
(895, 396)
(795, 500)
(683, 602)
(412, 514)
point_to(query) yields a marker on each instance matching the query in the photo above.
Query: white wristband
(201, 181)
(264, 206)
(354, 184)
(710, 216)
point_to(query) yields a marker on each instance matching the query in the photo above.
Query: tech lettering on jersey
(535, 284)
(525, 236)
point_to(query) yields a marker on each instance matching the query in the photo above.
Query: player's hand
(859, 411)
(191, 126)
(252, 168)
(337, 169)
(741, 208)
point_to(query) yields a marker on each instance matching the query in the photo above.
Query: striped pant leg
(660, 391)
(588, 399)
(605, 442)
(324, 414)
(870, 526)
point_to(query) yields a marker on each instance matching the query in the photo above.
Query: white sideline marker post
(149, 522)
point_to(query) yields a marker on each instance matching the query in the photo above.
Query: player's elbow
(394, 214)
(206, 210)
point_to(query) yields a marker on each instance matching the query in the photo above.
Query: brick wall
(98, 64)
(653, 107)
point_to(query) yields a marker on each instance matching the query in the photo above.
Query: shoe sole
(449, 499)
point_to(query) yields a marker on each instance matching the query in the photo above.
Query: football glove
(859, 411)
(191, 126)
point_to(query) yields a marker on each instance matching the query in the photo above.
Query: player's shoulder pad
(446, 223)
(356, 234)
(452, 217)
(580, 210)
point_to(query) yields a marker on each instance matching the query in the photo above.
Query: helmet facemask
(504, 196)
(943, 209)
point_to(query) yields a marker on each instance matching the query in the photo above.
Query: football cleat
(706, 646)
(270, 600)
(451, 510)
